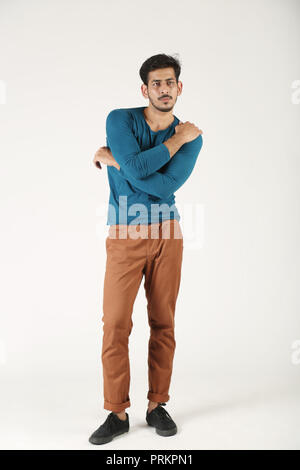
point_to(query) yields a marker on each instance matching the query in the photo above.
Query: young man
(149, 156)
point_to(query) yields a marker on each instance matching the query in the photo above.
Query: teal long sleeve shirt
(142, 191)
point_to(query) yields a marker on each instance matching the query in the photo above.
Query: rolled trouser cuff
(116, 407)
(158, 397)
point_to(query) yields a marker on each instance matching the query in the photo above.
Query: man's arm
(126, 150)
(174, 174)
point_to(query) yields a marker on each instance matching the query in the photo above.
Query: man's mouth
(165, 99)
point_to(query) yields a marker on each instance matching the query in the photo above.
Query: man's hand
(184, 132)
(105, 156)
(188, 131)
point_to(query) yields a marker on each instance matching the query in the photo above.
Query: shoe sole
(167, 432)
(104, 440)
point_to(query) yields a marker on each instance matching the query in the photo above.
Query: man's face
(162, 84)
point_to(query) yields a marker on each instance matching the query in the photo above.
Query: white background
(65, 65)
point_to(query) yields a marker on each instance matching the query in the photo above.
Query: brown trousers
(154, 251)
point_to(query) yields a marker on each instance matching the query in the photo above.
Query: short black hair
(159, 61)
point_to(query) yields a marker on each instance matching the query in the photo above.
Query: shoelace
(111, 421)
(162, 413)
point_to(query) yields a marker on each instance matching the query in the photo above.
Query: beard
(163, 107)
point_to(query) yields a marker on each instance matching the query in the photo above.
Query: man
(149, 155)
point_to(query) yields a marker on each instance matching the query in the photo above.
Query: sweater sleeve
(173, 175)
(126, 150)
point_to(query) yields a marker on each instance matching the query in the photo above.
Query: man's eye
(169, 83)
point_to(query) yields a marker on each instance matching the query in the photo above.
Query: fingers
(97, 155)
(98, 164)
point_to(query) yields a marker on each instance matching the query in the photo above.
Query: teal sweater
(142, 191)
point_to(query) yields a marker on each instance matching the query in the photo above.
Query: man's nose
(165, 91)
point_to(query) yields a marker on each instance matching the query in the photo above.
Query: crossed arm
(126, 150)
(140, 168)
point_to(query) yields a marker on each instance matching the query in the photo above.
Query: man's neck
(158, 120)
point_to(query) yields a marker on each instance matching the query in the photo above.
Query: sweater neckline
(160, 130)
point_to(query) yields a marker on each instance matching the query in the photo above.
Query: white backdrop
(63, 66)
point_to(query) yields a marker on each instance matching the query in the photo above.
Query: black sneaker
(161, 420)
(112, 427)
